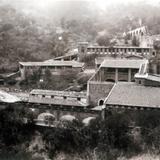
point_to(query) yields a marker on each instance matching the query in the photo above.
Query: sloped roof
(53, 63)
(58, 99)
(150, 77)
(8, 98)
(132, 94)
(99, 60)
(58, 93)
(123, 63)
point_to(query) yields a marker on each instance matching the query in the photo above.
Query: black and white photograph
(79, 79)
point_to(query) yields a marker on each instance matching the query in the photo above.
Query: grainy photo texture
(79, 80)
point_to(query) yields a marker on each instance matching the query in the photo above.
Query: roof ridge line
(110, 93)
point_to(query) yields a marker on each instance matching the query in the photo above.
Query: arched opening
(110, 80)
(46, 118)
(88, 120)
(68, 118)
(100, 102)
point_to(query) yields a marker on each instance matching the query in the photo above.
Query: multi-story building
(115, 51)
(140, 86)
(112, 71)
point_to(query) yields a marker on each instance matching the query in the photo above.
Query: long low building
(59, 98)
(53, 66)
(115, 51)
(125, 94)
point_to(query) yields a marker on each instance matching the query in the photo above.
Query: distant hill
(28, 32)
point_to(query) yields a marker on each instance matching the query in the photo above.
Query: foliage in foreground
(109, 138)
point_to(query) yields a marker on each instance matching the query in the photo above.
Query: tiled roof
(58, 101)
(123, 63)
(130, 47)
(99, 60)
(58, 93)
(53, 63)
(131, 94)
(58, 98)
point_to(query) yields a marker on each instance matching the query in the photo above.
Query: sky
(101, 4)
(45, 5)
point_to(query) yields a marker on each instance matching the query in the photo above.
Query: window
(153, 53)
(110, 69)
(52, 96)
(78, 99)
(158, 68)
(139, 50)
(88, 49)
(82, 49)
(140, 82)
(64, 97)
(123, 70)
(43, 96)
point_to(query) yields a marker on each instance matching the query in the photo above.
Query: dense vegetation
(34, 37)
(15, 134)
(39, 35)
(122, 133)
(68, 79)
(125, 133)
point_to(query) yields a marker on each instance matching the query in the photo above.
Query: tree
(135, 41)
(104, 40)
(13, 129)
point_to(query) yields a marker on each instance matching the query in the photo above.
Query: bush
(88, 59)
(11, 82)
(13, 129)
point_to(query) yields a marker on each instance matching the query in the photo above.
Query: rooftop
(8, 98)
(130, 47)
(99, 60)
(53, 63)
(58, 93)
(131, 94)
(123, 63)
(58, 98)
(148, 77)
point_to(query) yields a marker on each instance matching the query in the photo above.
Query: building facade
(115, 51)
(55, 67)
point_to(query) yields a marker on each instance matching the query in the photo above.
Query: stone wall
(98, 91)
(58, 113)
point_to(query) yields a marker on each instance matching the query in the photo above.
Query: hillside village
(79, 95)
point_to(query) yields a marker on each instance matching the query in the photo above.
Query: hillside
(29, 32)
